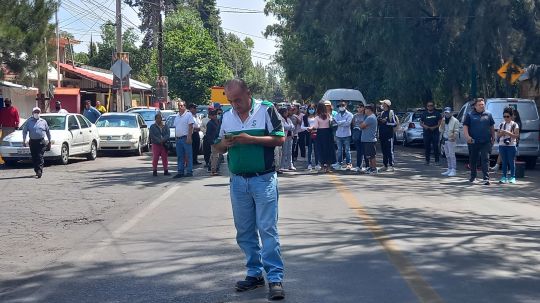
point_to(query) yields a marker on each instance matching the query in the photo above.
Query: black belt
(251, 175)
(181, 137)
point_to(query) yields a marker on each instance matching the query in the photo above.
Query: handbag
(313, 135)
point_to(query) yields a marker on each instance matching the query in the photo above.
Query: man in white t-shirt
(184, 125)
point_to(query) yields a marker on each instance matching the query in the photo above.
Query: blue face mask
(311, 111)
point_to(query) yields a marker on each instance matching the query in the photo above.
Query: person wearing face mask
(450, 131)
(59, 109)
(308, 121)
(387, 122)
(507, 135)
(159, 135)
(343, 136)
(358, 119)
(9, 118)
(37, 128)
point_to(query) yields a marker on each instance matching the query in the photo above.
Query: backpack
(395, 118)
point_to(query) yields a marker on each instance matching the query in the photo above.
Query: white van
(529, 145)
(352, 96)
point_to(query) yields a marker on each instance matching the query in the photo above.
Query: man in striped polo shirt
(249, 132)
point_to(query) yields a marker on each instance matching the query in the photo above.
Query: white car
(71, 135)
(123, 132)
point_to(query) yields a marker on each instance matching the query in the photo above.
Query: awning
(101, 77)
(67, 91)
(11, 84)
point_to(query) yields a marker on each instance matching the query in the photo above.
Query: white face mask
(342, 109)
(36, 116)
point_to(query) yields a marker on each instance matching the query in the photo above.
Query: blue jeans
(508, 157)
(341, 142)
(255, 212)
(182, 150)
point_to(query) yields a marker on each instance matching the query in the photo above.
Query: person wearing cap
(9, 118)
(358, 118)
(387, 122)
(343, 136)
(100, 107)
(90, 112)
(431, 121)
(249, 133)
(37, 128)
(59, 109)
(450, 131)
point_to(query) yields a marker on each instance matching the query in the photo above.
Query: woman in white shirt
(308, 121)
(286, 151)
(507, 136)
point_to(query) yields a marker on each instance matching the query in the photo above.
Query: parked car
(123, 132)
(71, 135)
(172, 140)
(529, 145)
(352, 96)
(149, 114)
(400, 129)
(129, 110)
(412, 130)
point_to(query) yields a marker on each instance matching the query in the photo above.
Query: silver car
(412, 131)
(529, 146)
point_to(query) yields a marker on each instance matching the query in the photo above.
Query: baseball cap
(36, 109)
(447, 109)
(387, 102)
(326, 102)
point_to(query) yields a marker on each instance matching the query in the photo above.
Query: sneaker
(154, 173)
(318, 167)
(249, 283)
(471, 180)
(189, 175)
(446, 172)
(384, 168)
(166, 173)
(390, 169)
(292, 168)
(178, 176)
(452, 173)
(512, 181)
(276, 291)
(309, 167)
(494, 168)
(503, 180)
(486, 182)
(348, 167)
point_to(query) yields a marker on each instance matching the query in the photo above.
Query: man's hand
(49, 146)
(469, 140)
(242, 138)
(189, 140)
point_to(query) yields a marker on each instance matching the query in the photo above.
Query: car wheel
(93, 152)
(139, 150)
(530, 162)
(64, 154)
(405, 141)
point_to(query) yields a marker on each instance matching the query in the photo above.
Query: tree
(193, 61)
(22, 39)
(237, 54)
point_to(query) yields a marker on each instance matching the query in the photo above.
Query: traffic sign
(121, 69)
(510, 68)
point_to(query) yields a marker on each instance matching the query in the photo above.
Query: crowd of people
(313, 131)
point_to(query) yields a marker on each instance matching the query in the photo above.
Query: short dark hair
(212, 112)
(370, 106)
(191, 105)
(236, 82)
(508, 110)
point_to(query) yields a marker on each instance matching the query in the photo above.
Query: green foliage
(408, 51)
(193, 63)
(22, 38)
(237, 55)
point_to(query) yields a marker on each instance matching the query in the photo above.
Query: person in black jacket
(431, 121)
(210, 155)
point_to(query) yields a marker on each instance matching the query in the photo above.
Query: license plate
(23, 151)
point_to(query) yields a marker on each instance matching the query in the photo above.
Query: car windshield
(417, 116)
(54, 122)
(148, 115)
(527, 110)
(117, 121)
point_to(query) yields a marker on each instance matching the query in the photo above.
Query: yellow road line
(421, 288)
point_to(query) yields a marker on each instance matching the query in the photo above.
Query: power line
(240, 12)
(239, 9)
(260, 37)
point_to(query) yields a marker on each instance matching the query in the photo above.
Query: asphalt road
(107, 231)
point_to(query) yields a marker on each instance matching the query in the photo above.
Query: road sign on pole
(510, 71)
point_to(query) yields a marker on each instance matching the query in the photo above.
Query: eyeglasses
(506, 116)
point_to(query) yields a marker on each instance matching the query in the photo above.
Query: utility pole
(160, 40)
(120, 92)
(58, 82)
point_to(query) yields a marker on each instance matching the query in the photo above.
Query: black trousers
(479, 150)
(207, 150)
(295, 148)
(302, 143)
(387, 148)
(37, 149)
(431, 140)
(196, 143)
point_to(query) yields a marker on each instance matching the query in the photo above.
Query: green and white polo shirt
(263, 120)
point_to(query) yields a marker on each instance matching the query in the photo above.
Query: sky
(83, 19)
